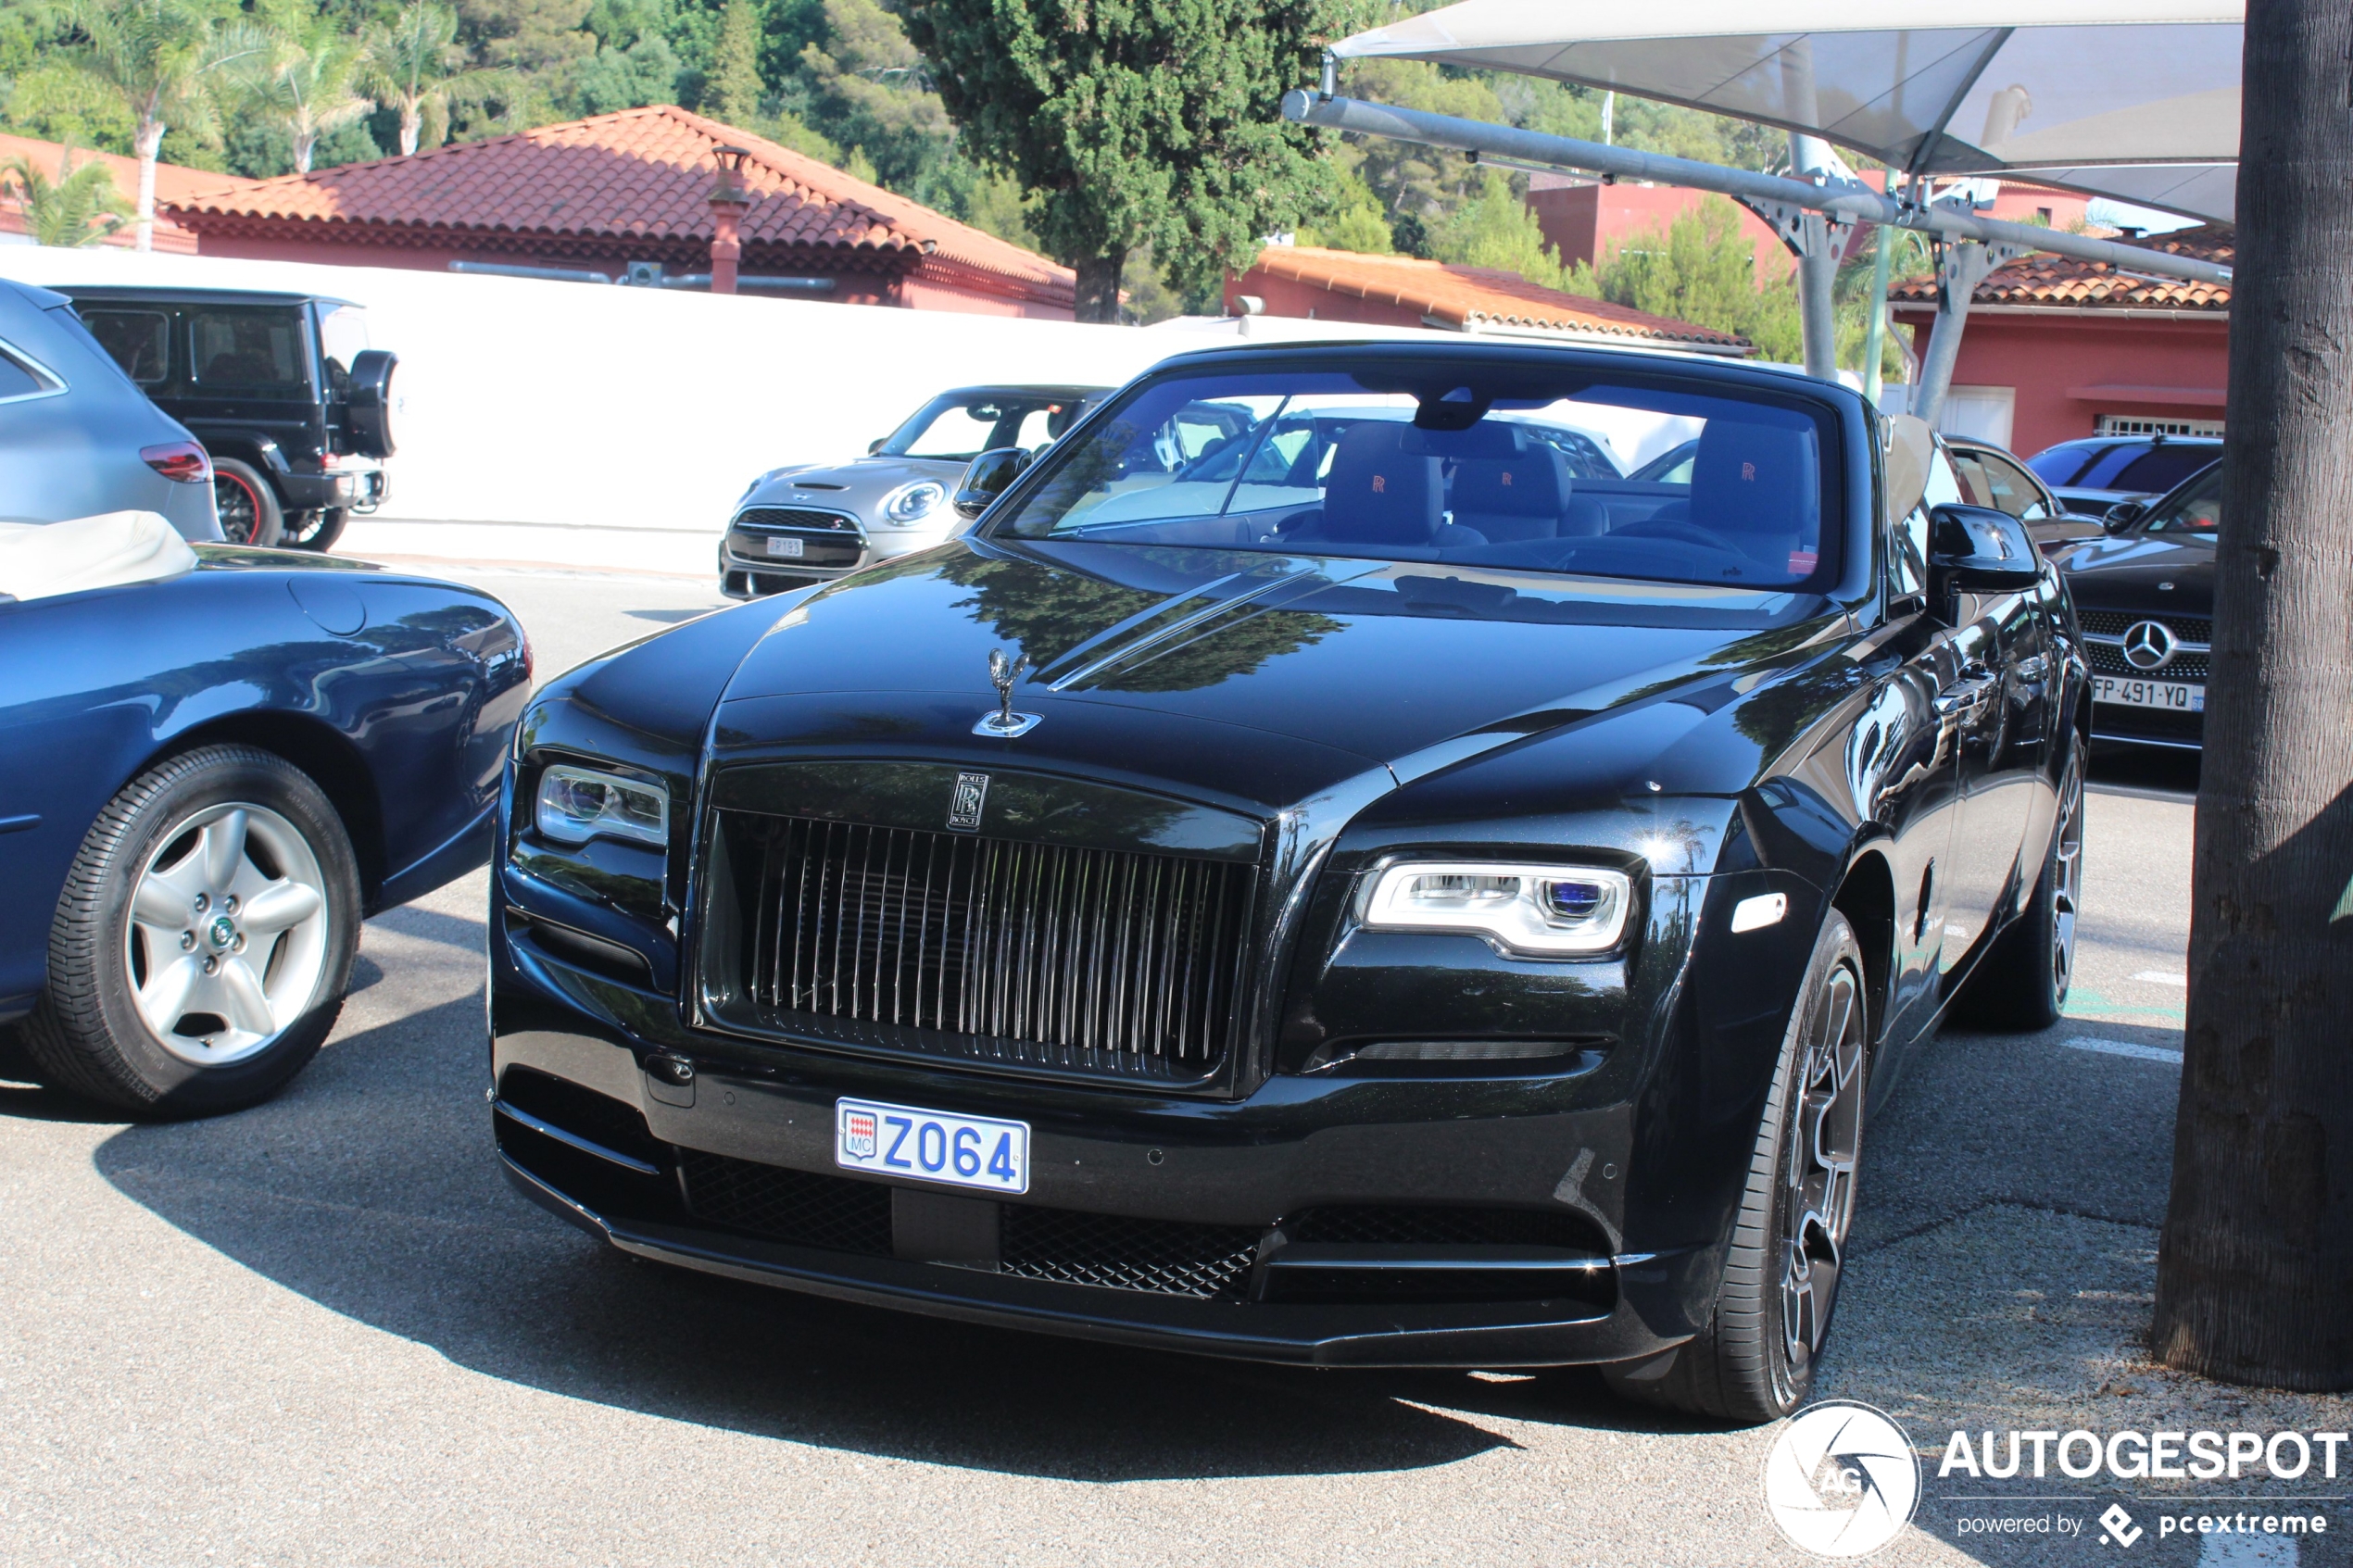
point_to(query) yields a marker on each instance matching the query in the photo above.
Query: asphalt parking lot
(325, 1331)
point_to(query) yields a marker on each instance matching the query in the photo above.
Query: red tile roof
(1468, 299)
(643, 174)
(2062, 280)
(173, 183)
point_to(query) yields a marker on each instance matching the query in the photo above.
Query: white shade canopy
(2135, 99)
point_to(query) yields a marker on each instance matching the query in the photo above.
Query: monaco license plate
(783, 546)
(931, 1145)
(2174, 697)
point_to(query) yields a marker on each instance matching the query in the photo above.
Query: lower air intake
(799, 1208)
(1165, 1257)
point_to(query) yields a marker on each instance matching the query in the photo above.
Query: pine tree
(736, 90)
(1147, 123)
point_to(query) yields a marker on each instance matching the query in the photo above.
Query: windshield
(959, 426)
(1501, 465)
(2195, 511)
(2062, 464)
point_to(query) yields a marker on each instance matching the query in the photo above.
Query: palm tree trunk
(2256, 1264)
(412, 121)
(306, 142)
(1099, 286)
(147, 142)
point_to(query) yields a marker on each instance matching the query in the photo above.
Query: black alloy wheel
(2021, 983)
(316, 529)
(249, 510)
(1756, 1359)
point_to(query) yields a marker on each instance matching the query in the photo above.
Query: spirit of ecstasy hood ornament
(1005, 723)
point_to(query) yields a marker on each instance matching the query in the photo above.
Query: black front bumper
(1144, 1198)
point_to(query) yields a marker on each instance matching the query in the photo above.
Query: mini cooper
(1311, 875)
(811, 522)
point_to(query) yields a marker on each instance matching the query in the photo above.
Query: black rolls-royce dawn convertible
(1309, 876)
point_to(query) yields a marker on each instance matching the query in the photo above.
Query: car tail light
(183, 460)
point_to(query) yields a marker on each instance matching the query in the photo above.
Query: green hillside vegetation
(264, 87)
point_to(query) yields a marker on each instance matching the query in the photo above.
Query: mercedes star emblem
(1005, 723)
(2148, 644)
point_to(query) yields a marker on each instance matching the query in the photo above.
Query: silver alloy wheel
(2066, 875)
(1819, 1148)
(227, 935)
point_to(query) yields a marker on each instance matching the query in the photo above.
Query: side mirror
(875, 444)
(1977, 549)
(2123, 515)
(989, 476)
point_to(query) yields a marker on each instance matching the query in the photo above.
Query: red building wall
(1587, 222)
(2069, 366)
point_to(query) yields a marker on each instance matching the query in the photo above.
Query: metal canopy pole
(1958, 271)
(1819, 241)
(1850, 203)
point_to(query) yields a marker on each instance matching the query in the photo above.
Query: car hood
(2142, 572)
(1258, 677)
(855, 486)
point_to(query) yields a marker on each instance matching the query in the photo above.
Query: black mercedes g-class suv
(281, 389)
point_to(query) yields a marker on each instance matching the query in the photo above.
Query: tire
(243, 847)
(2021, 983)
(1756, 1359)
(249, 510)
(315, 530)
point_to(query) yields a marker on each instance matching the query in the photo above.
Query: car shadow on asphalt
(370, 1188)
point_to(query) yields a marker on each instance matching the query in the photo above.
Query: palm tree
(415, 65)
(2255, 1262)
(301, 69)
(158, 57)
(81, 207)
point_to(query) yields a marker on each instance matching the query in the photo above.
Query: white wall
(615, 426)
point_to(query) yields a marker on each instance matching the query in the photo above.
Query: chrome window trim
(57, 387)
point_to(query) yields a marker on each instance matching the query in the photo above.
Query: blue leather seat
(1386, 487)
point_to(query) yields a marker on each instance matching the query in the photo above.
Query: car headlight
(1543, 911)
(912, 503)
(578, 804)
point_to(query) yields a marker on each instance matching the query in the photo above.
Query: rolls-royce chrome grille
(1027, 954)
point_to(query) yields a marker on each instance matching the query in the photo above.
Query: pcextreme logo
(1841, 1479)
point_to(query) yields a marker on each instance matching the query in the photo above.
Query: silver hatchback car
(811, 522)
(78, 437)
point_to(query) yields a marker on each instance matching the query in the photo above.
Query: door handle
(1965, 697)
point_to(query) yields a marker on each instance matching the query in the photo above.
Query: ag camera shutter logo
(1842, 1479)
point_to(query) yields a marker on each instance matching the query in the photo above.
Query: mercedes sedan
(1341, 889)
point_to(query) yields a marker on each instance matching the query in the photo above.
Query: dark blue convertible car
(214, 763)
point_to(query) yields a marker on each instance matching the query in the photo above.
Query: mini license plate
(931, 1145)
(781, 545)
(2176, 696)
